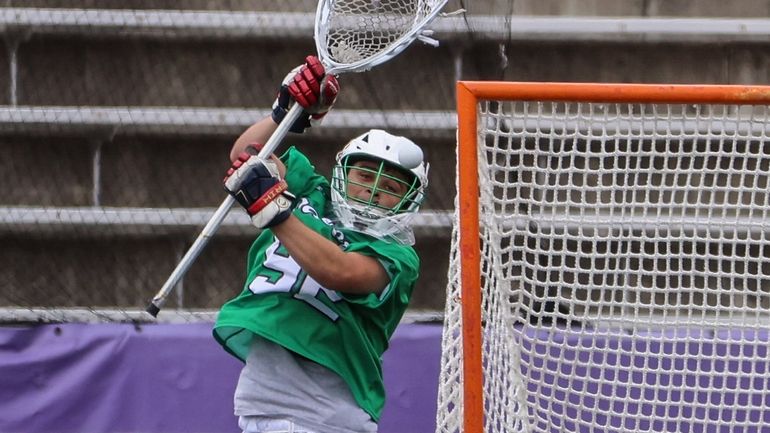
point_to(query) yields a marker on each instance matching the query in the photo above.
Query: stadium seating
(129, 113)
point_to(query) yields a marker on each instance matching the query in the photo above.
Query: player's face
(388, 191)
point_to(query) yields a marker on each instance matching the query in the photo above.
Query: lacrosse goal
(610, 266)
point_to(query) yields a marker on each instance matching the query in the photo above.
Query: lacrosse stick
(350, 36)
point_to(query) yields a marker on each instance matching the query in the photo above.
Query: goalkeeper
(329, 277)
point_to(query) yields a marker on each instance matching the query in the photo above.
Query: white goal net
(622, 282)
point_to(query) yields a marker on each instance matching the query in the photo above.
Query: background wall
(115, 126)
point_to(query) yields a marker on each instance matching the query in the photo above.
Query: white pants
(261, 424)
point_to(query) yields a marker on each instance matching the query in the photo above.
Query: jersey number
(283, 274)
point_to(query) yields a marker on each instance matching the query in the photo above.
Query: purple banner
(112, 378)
(672, 381)
(85, 378)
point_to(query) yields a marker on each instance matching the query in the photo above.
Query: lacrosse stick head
(356, 35)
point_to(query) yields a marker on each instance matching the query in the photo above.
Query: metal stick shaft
(216, 219)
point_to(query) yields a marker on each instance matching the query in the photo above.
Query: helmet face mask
(378, 185)
(383, 186)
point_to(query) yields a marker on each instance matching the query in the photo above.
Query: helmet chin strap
(394, 227)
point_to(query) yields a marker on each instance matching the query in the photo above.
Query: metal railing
(244, 24)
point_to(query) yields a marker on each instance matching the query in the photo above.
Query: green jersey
(280, 302)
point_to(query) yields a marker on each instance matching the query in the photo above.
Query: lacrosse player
(330, 274)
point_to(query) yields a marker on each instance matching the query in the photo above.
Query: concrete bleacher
(113, 95)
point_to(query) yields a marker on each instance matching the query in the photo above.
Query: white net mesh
(358, 30)
(625, 260)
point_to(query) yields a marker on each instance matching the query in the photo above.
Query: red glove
(312, 88)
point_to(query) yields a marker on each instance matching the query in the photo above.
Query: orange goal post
(610, 260)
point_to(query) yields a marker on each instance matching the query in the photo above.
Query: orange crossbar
(468, 95)
(611, 92)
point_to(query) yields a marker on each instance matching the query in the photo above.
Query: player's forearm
(259, 132)
(330, 266)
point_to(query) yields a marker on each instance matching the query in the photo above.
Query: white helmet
(366, 215)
